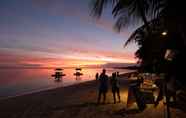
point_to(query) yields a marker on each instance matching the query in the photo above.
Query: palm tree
(151, 46)
(141, 33)
(128, 11)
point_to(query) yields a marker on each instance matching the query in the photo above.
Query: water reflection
(58, 74)
(78, 77)
(59, 80)
(19, 81)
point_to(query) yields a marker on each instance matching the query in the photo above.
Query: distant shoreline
(53, 88)
(108, 65)
(128, 67)
(42, 67)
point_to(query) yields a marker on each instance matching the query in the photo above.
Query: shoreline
(77, 101)
(41, 90)
(50, 101)
(53, 88)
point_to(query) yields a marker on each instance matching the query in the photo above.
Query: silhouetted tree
(128, 11)
(151, 46)
(149, 40)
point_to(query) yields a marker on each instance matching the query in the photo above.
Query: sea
(21, 81)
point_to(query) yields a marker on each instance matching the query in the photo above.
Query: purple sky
(59, 32)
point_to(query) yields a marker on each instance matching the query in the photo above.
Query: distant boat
(58, 69)
(58, 73)
(78, 69)
(78, 72)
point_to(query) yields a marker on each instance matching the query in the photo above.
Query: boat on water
(78, 72)
(58, 69)
(58, 74)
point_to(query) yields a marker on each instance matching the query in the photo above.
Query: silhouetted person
(115, 87)
(117, 74)
(135, 90)
(171, 89)
(97, 76)
(159, 84)
(103, 87)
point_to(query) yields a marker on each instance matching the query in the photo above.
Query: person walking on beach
(103, 86)
(115, 87)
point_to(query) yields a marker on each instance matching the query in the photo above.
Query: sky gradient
(48, 33)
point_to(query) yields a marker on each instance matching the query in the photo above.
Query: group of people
(104, 83)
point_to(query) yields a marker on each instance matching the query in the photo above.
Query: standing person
(159, 84)
(117, 74)
(115, 87)
(103, 87)
(97, 76)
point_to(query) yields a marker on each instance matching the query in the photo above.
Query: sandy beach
(78, 101)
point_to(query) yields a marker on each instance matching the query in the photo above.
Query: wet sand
(78, 101)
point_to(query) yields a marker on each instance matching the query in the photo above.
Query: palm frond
(99, 5)
(120, 6)
(137, 35)
(141, 33)
(121, 22)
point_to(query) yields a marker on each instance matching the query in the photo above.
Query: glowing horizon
(51, 33)
(10, 58)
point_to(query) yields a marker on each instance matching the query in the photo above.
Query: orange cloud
(75, 57)
(102, 55)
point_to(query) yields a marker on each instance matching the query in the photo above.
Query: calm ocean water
(15, 82)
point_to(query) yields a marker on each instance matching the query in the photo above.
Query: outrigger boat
(58, 74)
(78, 72)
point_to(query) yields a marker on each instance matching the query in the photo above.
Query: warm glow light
(93, 58)
(164, 33)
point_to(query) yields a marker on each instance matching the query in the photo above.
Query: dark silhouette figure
(117, 74)
(159, 84)
(115, 87)
(97, 76)
(103, 87)
(134, 90)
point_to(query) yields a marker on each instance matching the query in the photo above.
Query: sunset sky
(48, 33)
